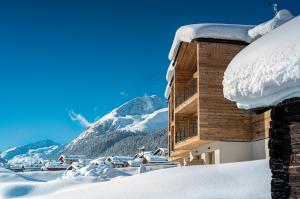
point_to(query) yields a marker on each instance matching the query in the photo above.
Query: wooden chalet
(161, 152)
(119, 161)
(69, 159)
(204, 127)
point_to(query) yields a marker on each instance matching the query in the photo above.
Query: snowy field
(247, 180)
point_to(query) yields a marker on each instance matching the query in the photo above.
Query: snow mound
(267, 71)
(209, 30)
(103, 172)
(281, 17)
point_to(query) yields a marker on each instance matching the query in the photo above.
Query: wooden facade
(198, 112)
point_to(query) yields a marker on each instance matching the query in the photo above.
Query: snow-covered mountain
(142, 114)
(146, 114)
(34, 152)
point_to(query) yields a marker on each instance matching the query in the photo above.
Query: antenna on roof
(274, 6)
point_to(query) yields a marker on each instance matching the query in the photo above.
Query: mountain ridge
(141, 115)
(32, 152)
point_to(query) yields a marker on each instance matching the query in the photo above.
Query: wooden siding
(219, 119)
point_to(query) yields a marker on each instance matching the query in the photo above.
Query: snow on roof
(119, 159)
(165, 150)
(155, 158)
(209, 30)
(52, 165)
(267, 71)
(144, 153)
(167, 91)
(16, 166)
(281, 17)
(72, 157)
(134, 163)
(98, 160)
(170, 72)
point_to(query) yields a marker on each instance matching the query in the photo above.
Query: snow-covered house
(17, 168)
(153, 159)
(140, 154)
(133, 163)
(118, 161)
(33, 167)
(55, 166)
(204, 127)
(98, 161)
(69, 159)
(161, 152)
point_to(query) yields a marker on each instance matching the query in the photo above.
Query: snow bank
(281, 17)
(209, 30)
(246, 180)
(102, 172)
(267, 71)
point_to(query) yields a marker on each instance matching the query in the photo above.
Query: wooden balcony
(186, 93)
(185, 130)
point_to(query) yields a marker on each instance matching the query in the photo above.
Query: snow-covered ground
(247, 180)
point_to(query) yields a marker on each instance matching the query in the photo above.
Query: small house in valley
(204, 127)
(17, 168)
(69, 159)
(133, 163)
(161, 152)
(153, 159)
(55, 166)
(119, 161)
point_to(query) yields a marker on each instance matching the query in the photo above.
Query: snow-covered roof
(119, 159)
(191, 32)
(280, 18)
(155, 158)
(72, 157)
(16, 166)
(98, 160)
(167, 91)
(164, 150)
(170, 72)
(134, 163)
(143, 153)
(53, 165)
(267, 71)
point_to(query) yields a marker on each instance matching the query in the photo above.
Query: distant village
(142, 158)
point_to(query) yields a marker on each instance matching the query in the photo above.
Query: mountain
(33, 152)
(140, 116)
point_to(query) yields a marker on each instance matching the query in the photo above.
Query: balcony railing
(188, 91)
(186, 130)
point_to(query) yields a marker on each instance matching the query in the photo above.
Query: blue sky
(86, 56)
